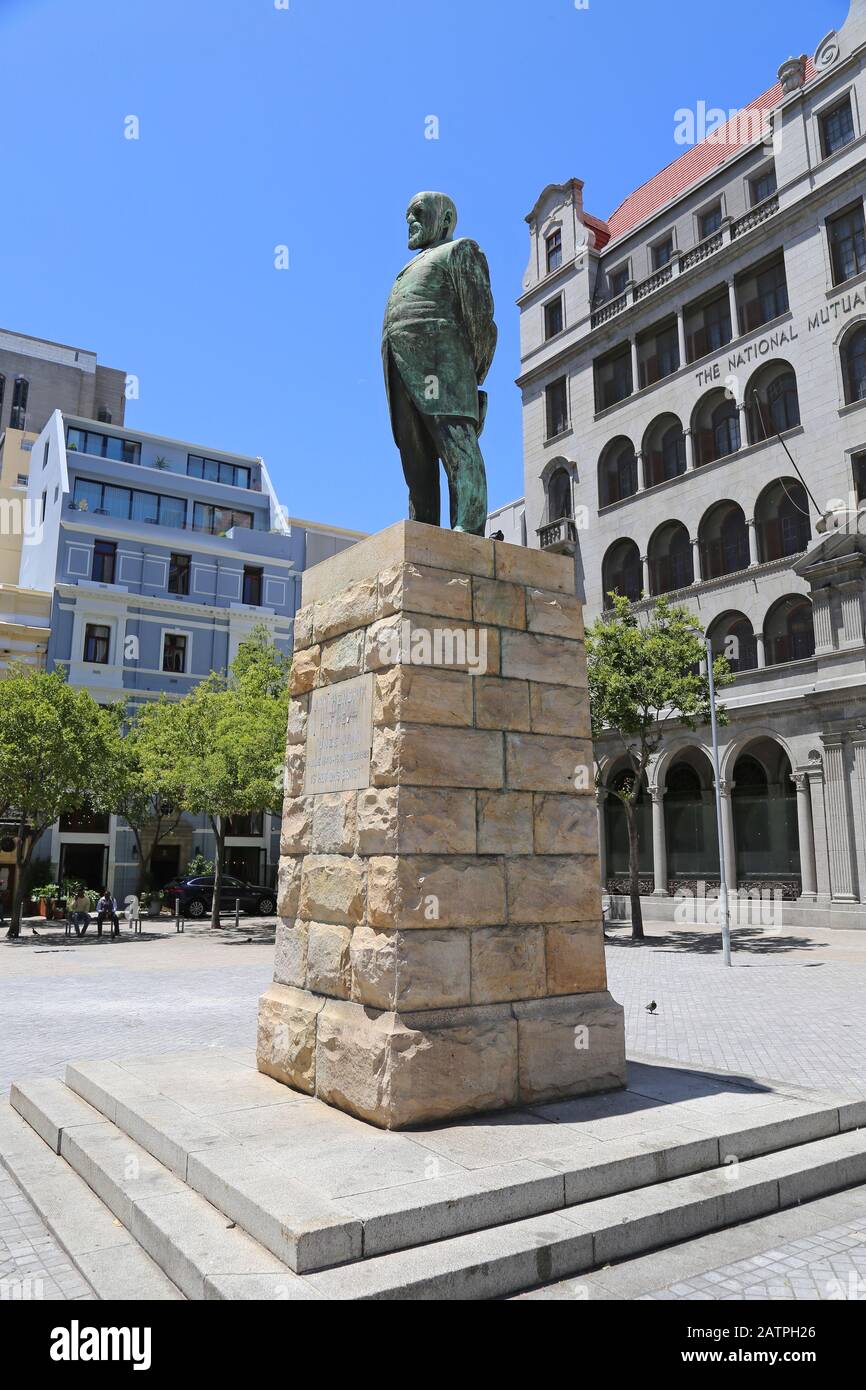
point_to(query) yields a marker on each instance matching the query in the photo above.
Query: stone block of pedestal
(440, 949)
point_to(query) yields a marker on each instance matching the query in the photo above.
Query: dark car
(196, 896)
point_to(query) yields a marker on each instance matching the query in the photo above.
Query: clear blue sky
(305, 127)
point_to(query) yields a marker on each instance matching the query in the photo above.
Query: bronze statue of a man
(438, 343)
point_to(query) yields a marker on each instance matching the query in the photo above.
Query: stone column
(852, 613)
(735, 316)
(726, 789)
(761, 650)
(635, 366)
(660, 846)
(819, 825)
(690, 450)
(822, 617)
(696, 559)
(601, 803)
(858, 797)
(754, 550)
(440, 949)
(644, 560)
(641, 478)
(681, 338)
(806, 831)
(838, 819)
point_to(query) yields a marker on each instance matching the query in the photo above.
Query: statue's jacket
(439, 333)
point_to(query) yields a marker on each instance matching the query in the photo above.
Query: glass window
(172, 512)
(104, 557)
(764, 186)
(96, 643)
(553, 318)
(854, 356)
(837, 127)
(212, 471)
(87, 495)
(784, 403)
(20, 394)
(848, 244)
(710, 221)
(553, 246)
(76, 440)
(178, 574)
(145, 506)
(619, 282)
(859, 462)
(174, 653)
(252, 590)
(559, 495)
(663, 253)
(95, 444)
(557, 407)
(726, 429)
(116, 501)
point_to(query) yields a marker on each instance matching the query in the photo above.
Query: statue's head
(432, 218)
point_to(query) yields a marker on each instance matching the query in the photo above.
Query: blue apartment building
(161, 557)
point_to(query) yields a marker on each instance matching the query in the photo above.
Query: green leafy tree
(223, 743)
(142, 794)
(644, 675)
(58, 752)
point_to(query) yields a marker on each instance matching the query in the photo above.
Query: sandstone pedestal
(440, 948)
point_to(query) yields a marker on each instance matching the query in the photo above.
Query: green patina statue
(438, 343)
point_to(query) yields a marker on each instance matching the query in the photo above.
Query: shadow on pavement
(750, 940)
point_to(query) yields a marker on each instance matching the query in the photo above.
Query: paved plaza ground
(791, 1010)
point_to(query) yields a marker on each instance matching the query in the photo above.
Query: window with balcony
(249, 826)
(554, 318)
(553, 251)
(252, 585)
(710, 221)
(127, 504)
(724, 541)
(708, 326)
(174, 652)
(854, 365)
(104, 562)
(763, 186)
(664, 451)
(559, 503)
(762, 295)
(556, 407)
(733, 636)
(214, 471)
(662, 253)
(618, 281)
(847, 234)
(671, 559)
(859, 463)
(613, 379)
(622, 571)
(837, 128)
(20, 395)
(103, 446)
(219, 520)
(658, 354)
(97, 643)
(716, 427)
(178, 574)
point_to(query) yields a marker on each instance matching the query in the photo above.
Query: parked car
(196, 896)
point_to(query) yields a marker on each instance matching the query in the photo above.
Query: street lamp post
(723, 886)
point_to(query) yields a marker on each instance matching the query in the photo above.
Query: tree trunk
(637, 930)
(21, 865)
(218, 824)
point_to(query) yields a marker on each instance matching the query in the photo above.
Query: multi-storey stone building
(694, 388)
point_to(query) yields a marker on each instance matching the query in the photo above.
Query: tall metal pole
(723, 887)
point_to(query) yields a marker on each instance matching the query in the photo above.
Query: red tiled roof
(601, 229)
(692, 166)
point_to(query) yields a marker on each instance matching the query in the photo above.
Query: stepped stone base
(422, 1067)
(440, 949)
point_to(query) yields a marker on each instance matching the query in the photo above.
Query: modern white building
(694, 391)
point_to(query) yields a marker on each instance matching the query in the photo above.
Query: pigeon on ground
(652, 1008)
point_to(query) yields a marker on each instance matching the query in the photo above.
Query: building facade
(160, 557)
(694, 393)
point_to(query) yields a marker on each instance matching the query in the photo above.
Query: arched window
(673, 453)
(664, 451)
(724, 541)
(784, 402)
(789, 633)
(726, 429)
(671, 559)
(622, 571)
(559, 505)
(854, 365)
(782, 516)
(18, 416)
(773, 401)
(732, 636)
(617, 472)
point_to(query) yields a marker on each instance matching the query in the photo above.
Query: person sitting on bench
(80, 915)
(107, 907)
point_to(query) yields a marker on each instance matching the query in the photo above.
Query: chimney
(792, 75)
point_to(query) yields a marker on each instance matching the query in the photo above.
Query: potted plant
(160, 462)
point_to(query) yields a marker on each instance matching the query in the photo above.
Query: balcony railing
(684, 261)
(559, 537)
